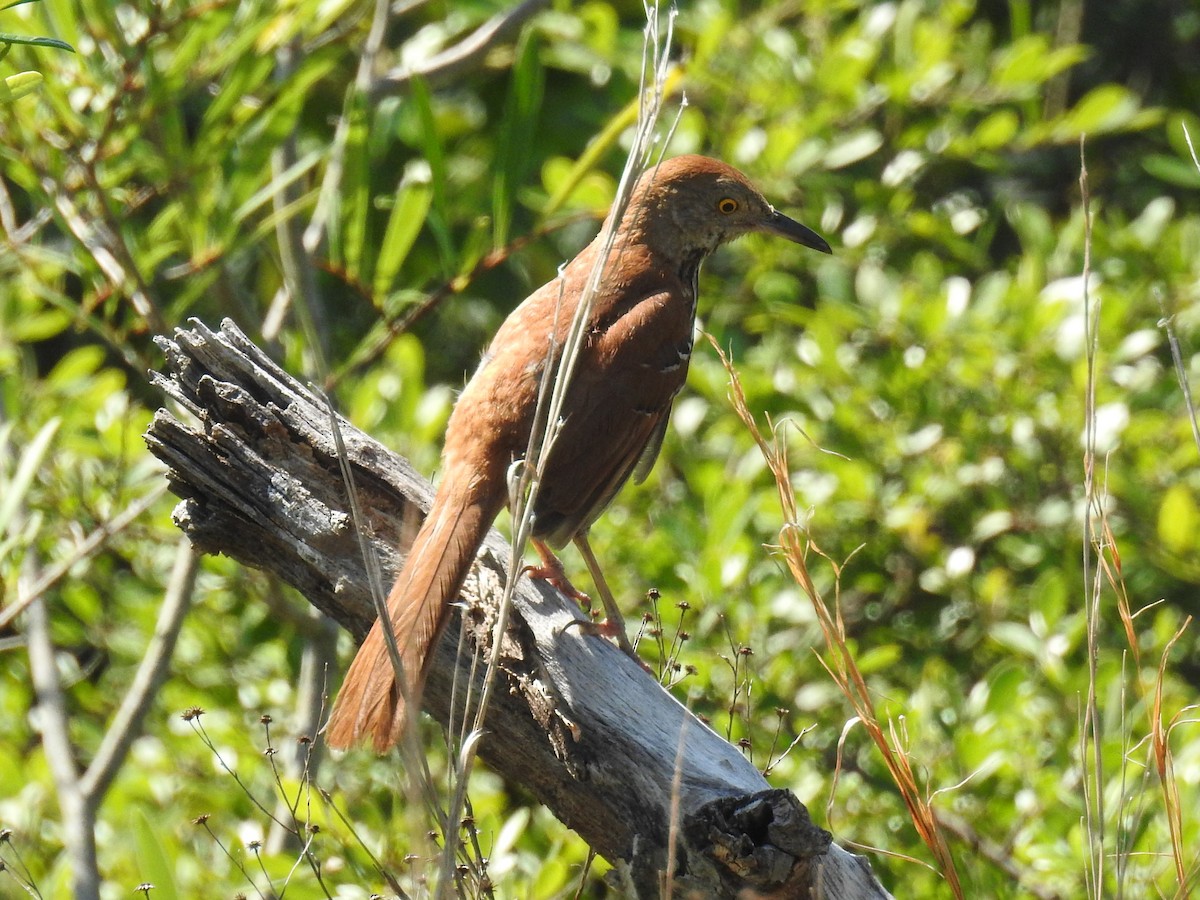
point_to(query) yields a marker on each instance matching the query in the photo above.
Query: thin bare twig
(150, 674)
(317, 659)
(89, 546)
(78, 814)
(1167, 324)
(1187, 136)
(464, 56)
(106, 247)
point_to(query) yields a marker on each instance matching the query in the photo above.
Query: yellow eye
(727, 205)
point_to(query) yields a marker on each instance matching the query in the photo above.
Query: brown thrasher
(633, 362)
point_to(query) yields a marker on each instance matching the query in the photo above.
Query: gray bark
(574, 721)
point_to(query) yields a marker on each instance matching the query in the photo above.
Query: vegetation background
(944, 374)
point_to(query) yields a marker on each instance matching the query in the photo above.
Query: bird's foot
(596, 628)
(552, 572)
(607, 629)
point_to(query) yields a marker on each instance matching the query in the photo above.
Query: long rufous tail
(370, 702)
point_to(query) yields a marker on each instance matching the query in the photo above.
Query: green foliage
(13, 87)
(929, 379)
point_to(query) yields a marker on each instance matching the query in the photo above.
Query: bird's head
(693, 204)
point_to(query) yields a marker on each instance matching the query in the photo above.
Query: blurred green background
(213, 159)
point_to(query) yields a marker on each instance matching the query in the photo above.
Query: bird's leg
(615, 625)
(551, 570)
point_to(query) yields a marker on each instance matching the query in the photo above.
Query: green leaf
(77, 367)
(1106, 108)
(64, 20)
(1173, 170)
(17, 86)
(296, 172)
(1018, 638)
(41, 325)
(355, 194)
(879, 659)
(413, 198)
(997, 129)
(568, 183)
(435, 155)
(851, 149)
(1178, 520)
(27, 467)
(153, 864)
(1029, 63)
(1004, 687)
(512, 156)
(1180, 127)
(6, 38)
(600, 145)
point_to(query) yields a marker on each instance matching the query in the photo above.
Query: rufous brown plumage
(632, 365)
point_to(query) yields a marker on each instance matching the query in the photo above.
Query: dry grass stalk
(1100, 550)
(795, 545)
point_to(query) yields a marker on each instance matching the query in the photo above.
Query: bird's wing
(634, 364)
(650, 452)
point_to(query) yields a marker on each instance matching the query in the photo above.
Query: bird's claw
(555, 576)
(606, 629)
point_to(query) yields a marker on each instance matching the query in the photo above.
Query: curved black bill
(781, 225)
